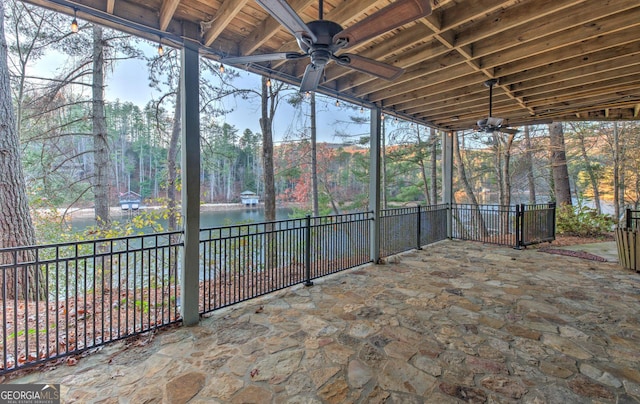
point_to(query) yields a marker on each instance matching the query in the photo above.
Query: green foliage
(582, 221)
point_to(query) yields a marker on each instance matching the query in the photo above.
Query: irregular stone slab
(320, 376)
(277, 367)
(467, 394)
(599, 375)
(565, 346)
(507, 386)
(588, 388)
(221, 386)
(358, 374)
(239, 333)
(335, 392)
(400, 376)
(184, 387)
(253, 395)
(428, 365)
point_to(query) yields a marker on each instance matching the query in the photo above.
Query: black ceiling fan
(492, 124)
(322, 40)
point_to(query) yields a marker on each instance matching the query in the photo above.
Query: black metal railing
(245, 261)
(632, 219)
(536, 224)
(517, 225)
(491, 224)
(85, 294)
(403, 229)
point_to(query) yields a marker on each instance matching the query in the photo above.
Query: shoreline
(207, 207)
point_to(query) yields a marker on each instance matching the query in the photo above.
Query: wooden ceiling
(554, 59)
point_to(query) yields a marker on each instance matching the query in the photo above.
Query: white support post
(447, 178)
(374, 182)
(190, 116)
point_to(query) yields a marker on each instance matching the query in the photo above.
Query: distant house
(249, 198)
(130, 201)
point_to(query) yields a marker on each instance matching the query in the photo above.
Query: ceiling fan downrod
(490, 83)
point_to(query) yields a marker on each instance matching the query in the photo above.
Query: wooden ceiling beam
(167, 10)
(583, 80)
(420, 83)
(607, 88)
(223, 17)
(506, 19)
(559, 42)
(571, 55)
(625, 55)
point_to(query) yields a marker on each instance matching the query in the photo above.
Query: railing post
(190, 113)
(552, 208)
(519, 226)
(419, 244)
(307, 252)
(627, 216)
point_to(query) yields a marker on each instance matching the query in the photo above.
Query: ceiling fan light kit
(492, 124)
(322, 40)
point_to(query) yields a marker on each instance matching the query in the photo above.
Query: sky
(128, 82)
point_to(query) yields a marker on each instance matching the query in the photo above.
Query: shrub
(582, 221)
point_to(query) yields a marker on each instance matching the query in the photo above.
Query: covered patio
(456, 321)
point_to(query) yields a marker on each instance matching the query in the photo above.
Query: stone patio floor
(454, 322)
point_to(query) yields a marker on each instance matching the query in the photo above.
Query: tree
(560, 172)
(101, 158)
(269, 103)
(16, 227)
(528, 156)
(314, 157)
(462, 175)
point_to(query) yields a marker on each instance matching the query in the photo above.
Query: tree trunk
(423, 170)
(16, 228)
(314, 156)
(561, 184)
(528, 161)
(477, 216)
(434, 165)
(616, 172)
(172, 166)
(100, 140)
(590, 173)
(267, 153)
(506, 172)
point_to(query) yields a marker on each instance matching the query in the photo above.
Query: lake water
(208, 218)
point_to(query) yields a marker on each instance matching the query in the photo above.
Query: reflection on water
(208, 218)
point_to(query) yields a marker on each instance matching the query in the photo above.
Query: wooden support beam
(221, 20)
(167, 10)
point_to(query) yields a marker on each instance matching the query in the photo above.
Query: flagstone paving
(454, 322)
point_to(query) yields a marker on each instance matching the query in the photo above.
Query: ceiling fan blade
(311, 78)
(393, 16)
(267, 57)
(285, 15)
(509, 131)
(370, 66)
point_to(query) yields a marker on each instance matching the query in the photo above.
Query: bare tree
(462, 175)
